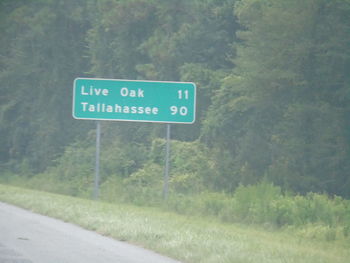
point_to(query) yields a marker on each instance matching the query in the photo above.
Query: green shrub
(265, 203)
(111, 190)
(144, 187)
(191, 167)
(255, 203)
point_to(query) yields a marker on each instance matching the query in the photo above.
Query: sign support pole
(97, 164)
(167, 157)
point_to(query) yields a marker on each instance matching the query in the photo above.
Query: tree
(282, 113)
(37, 72)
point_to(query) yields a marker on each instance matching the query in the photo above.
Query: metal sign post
(97, 164)
(167, 157)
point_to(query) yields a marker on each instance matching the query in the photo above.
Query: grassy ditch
(186, 238)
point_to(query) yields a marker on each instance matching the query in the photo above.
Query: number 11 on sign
(183, 94)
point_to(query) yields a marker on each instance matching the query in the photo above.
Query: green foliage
(191, 167)
(265, 203)
(253, 203)
(189, 170)
(144, 186)
(71, 174)
(313, 216)
(36, 78)
(118, 30)
(213, 205)
(280, 114)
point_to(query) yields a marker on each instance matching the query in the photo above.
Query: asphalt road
(26, 237)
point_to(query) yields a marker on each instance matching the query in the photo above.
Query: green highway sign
(134, 100)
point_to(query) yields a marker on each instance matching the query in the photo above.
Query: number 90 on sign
(179, 110)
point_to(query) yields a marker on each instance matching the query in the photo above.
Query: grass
(186, 238)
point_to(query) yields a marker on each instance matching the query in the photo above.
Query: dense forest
(273, 93)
